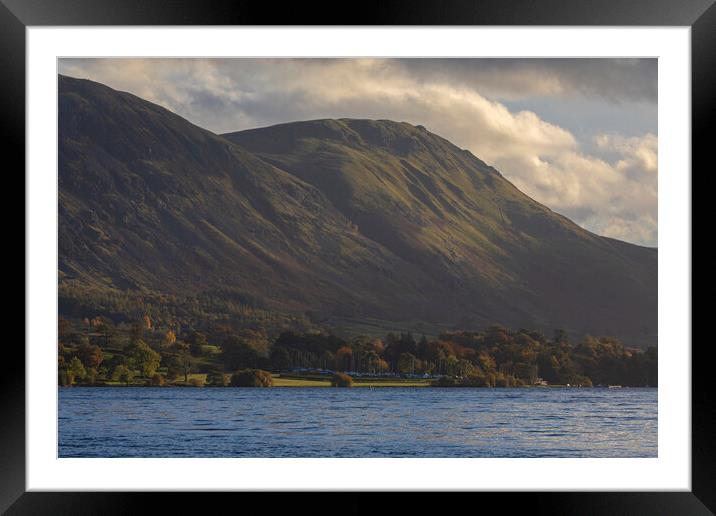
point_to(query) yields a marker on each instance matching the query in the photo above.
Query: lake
(359, 422)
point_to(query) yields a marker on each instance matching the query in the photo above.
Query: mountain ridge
(346, 217)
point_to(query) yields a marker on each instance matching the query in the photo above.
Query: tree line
(98, 350)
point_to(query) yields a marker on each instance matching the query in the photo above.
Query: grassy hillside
(331, 222)
(496, 254)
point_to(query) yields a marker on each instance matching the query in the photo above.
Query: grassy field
(299, 382)
(296, 381)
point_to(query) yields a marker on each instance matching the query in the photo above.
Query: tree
(257, 339)
(157, 380)
(123, 374)
(91, 376)
(526, 372)
(251, 378)
(327, 359)
(137, 330)
(66, 378)
(61, 352)
(503, 380)
(381, 366)
(464, 367)
(169, 338)
(396, 345)
(77, 369)
(341, 380)
(216, 378)
(451, 365)
(185, 365)
(406, 363)
(560, 336)
(197, 341)
(280, 359)
(344, 358)
(142, 357)
(90, 355)
(378, 346)
(104, 326)
(237, 354)
(371, 360)
(171, 362)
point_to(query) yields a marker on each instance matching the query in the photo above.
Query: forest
(99, 352)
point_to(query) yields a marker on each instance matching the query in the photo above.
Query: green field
(299, 382)
(295, 381)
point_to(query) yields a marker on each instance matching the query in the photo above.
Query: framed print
(280, 255)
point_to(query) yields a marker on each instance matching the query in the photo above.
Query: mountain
(350, 220)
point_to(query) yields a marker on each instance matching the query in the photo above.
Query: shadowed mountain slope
(148, 201)
(347, 218)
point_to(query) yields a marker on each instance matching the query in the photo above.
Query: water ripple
(397, 422)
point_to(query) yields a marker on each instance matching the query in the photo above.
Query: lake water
(359, 422)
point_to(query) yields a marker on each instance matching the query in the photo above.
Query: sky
(578, 135)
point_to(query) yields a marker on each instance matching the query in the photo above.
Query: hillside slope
(150, 202)
(347, 218)
(504, 256)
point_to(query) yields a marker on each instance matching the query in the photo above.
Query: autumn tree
(381, 366)
(90, 355)
(344, 358)
(251, 378)
(169, 338)
(377, 346)
(341, 380)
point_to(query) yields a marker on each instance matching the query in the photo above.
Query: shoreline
(293, 383)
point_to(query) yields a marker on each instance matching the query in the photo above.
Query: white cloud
(610, 189)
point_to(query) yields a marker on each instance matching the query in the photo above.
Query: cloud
(614, 80)
(607, 184)
(614, 197)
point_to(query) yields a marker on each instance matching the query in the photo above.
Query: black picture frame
(17, 15)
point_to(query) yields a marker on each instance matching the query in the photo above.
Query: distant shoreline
(291, 381)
